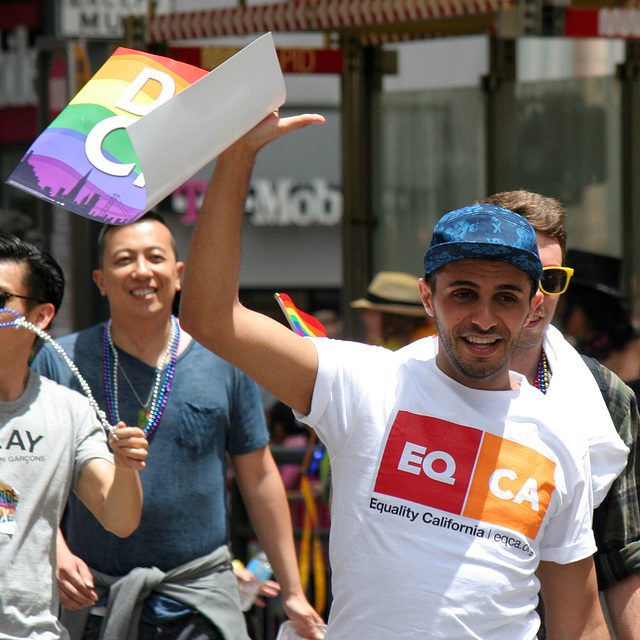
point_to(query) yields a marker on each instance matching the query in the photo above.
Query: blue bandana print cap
(484, 231)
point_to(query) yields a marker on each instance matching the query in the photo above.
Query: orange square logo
(512, 486)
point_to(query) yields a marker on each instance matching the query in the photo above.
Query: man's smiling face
(139, 274)
(480, 308)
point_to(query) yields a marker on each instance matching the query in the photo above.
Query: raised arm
(282, 362)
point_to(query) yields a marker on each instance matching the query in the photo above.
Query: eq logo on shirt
(465, 471)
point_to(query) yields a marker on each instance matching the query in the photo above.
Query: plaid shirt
(616, 522)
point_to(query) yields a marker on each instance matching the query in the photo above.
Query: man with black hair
(597, 318)
(173, 578)
(51, 443)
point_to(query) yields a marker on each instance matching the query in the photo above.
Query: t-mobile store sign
(282, 203)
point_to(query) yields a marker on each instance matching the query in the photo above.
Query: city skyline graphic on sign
(75, 191)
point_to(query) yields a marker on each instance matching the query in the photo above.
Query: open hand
(272, 128)
(305, 618)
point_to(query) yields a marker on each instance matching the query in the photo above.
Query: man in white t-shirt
(553, 365)
(455, 496)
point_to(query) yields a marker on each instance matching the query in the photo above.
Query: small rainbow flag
(302, 323)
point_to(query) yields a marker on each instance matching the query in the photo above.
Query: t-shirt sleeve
(47, 363)
(351, 378)
(90, 438)
(568, 536)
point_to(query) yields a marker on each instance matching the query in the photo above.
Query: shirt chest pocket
(201, 426)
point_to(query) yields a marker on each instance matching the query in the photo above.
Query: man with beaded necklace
(556, 369)
(195, 409)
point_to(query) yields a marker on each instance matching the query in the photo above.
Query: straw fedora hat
(393, 292)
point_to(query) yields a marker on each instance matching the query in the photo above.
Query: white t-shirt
(576, 403)
(445, 498)
(574, 390)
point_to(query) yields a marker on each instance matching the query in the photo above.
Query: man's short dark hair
(45, 279)
(107, 228)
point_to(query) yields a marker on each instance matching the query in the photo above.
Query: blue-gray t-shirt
(213, 408)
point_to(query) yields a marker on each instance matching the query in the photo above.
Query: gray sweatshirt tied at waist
(206, 584)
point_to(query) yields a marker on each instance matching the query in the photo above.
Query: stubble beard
(479, 370)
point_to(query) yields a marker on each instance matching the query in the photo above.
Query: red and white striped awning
(310, 16)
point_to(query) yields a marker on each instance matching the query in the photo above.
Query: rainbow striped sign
(142, 126)
(85, 161)
(302, 323)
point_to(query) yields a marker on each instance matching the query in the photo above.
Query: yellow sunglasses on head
(555, 280)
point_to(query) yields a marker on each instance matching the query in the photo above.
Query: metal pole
(500, 119)
(629, 76)
(359, 79)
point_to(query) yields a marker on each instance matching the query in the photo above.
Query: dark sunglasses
(5, 296)
(555, 280)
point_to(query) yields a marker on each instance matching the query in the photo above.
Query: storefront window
(568, 133)
(429, 149)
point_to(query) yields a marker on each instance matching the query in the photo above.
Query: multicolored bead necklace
(149, 416)
(544, 374)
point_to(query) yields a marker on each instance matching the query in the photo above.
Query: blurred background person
(286, 431)
(332, 322)
(597, 318)
(392, 311)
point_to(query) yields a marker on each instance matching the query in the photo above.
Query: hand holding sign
(143, 125)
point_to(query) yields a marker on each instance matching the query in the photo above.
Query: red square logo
(428, 461)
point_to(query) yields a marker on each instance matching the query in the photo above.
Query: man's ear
(180, 268)
(43, 315)
(98, 278)
(536, 301)
(427, 296)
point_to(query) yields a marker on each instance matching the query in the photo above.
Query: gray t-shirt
(46, 436)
